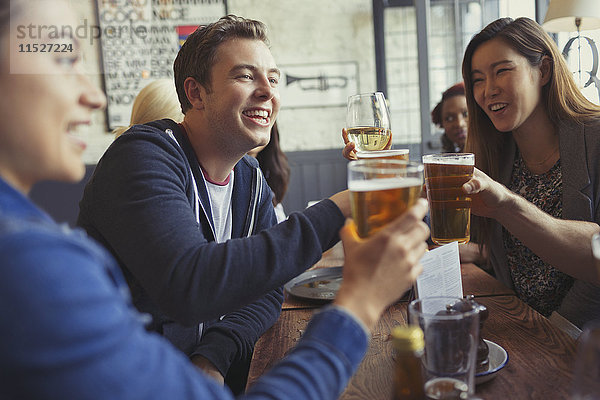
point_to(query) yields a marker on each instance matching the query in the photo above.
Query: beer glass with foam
(395, 154)
(382, 190)
(368, 121)
(449, 206)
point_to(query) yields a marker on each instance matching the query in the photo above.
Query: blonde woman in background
(157, 100)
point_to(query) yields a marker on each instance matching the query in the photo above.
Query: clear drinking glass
(381, 190)
(368, 121)
(586, 380)
(451, 329)
(449, 206)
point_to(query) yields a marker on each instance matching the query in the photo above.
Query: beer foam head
(381, 153)
(450, 159)
(371, 185)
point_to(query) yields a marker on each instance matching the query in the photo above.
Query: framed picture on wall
(139, 42)
(318, 85)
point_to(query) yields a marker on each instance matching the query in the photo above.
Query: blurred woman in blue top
(71, 331)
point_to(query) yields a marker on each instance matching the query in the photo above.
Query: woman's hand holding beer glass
(449, 205)
(488, 196)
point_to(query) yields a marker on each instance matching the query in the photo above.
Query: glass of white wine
(368, 121)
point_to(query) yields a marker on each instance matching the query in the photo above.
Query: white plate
(316, 284)
(498, 358)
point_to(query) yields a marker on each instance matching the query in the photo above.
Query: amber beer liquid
(395, 154)
(446, 389)
(408, 342)
(449, 206)
(382, 190)
(369, 138)
(376, 203)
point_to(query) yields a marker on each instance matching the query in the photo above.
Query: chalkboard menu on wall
(139, 42)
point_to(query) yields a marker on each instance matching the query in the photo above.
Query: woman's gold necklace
(537, 164)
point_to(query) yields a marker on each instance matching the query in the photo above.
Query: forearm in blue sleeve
(70, 334)
(233, 337)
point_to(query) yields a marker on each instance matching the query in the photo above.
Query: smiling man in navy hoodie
(190, 218)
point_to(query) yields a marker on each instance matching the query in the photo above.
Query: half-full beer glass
(382, 190)
(395, 154)
(449, 206)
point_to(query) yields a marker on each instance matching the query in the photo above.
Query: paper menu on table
(441, 273)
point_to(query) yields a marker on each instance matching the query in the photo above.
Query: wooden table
(475, 281)
(540, 355)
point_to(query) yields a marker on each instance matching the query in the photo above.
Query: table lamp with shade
(576, 16)
(572, 15)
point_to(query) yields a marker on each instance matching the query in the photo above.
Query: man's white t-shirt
(220, 206)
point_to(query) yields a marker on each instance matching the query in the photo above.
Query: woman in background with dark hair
(276, 169)
(451, 115)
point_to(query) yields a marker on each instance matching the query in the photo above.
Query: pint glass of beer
(449, 206)
(396, 154)
(382, 190)
(368, 121)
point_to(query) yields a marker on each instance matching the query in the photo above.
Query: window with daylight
(419, 46)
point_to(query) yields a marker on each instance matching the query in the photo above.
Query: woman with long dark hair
(274, 165)
(536, 140)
